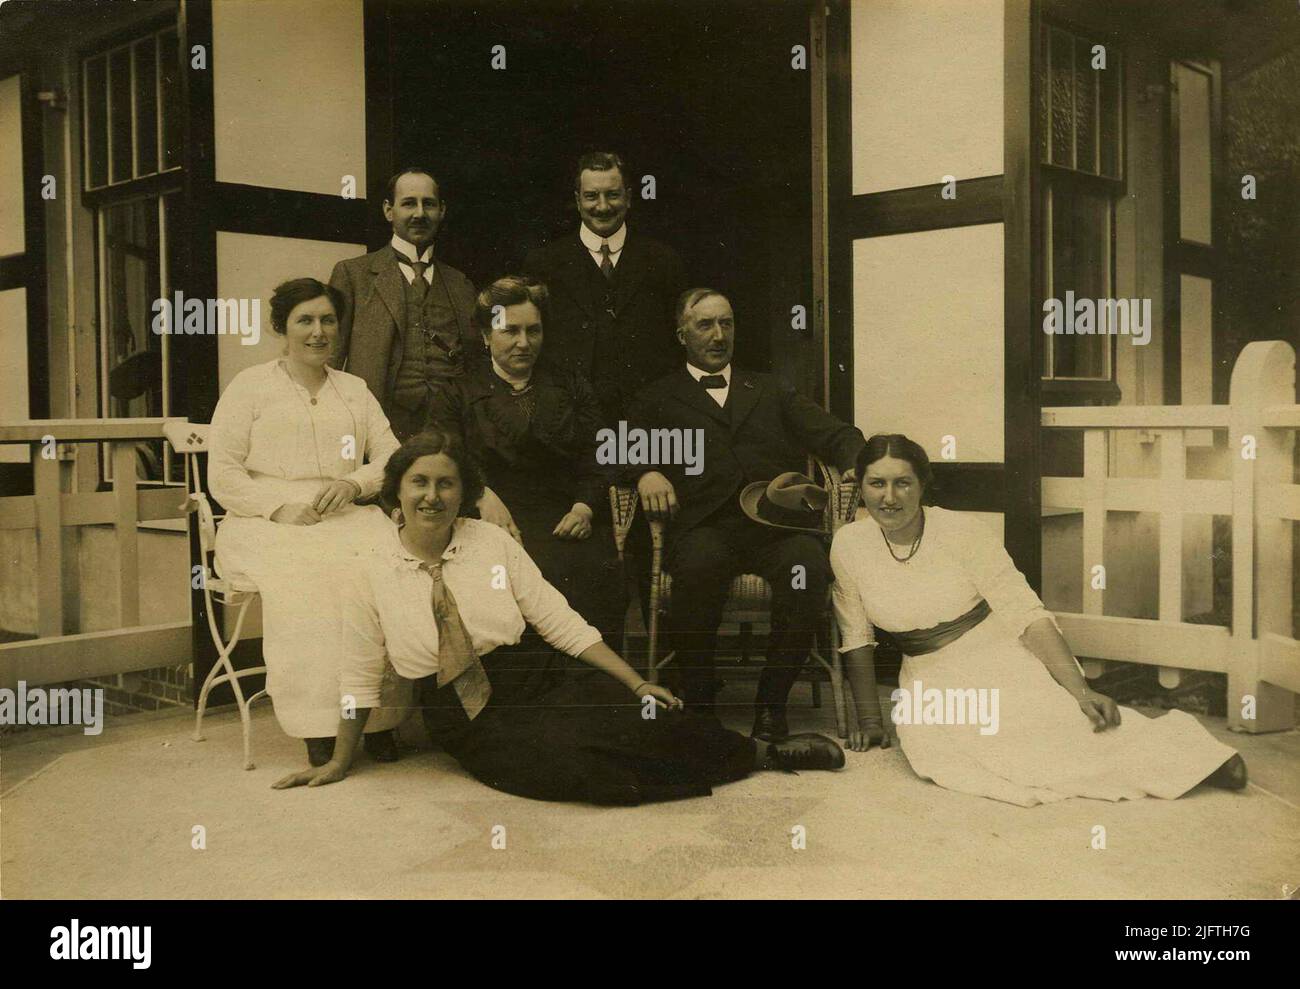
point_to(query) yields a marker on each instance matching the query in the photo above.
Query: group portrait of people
(413, 486)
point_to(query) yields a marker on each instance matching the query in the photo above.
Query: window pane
(1193, 154)
(119, 114)
(146, 107)
(1196, 315)
(133, 350)
(131, 283)
(172, 228)
(1080, 263)
(1062, 84)
(169, 77)
(1085, 107)
(96, 94)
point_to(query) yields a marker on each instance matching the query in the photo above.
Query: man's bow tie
(712, 381)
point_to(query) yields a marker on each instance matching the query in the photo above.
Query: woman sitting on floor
(447, 603)
(931, 578)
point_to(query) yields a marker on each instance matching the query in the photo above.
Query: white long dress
(270, 445)
(1044, 748)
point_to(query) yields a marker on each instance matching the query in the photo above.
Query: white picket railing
(1259, 653)
(61, 651)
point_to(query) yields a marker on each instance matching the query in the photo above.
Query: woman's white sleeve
(380, 445)
(229, 440)
(365, 655)
(856, 629)
(998, 580)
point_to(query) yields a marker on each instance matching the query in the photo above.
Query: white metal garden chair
(191, 439)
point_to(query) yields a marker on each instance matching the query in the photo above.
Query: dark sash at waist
(920, 641)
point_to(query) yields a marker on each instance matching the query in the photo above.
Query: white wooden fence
(61, 652)
(1259, 654)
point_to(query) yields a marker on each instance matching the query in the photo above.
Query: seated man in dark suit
(753, 428)
(609, 318)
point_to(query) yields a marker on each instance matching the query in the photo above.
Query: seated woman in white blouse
(991, 701)
(294, 443)
(447, 603)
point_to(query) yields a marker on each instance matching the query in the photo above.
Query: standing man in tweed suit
(405, 325)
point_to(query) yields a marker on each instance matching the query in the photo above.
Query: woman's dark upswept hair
(293, 293)
(508, 290)
(899, 447)
(434, 440)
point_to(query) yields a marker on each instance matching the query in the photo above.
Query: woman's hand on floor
(663, 696)
(1100, 709)
(868, 732)
(331, 772)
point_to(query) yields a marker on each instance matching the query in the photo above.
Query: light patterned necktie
(606, 262)
(458, 663)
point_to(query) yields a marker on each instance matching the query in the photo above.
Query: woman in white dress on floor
(973, 630)
(294, 443)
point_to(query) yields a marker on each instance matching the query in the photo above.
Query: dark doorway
(701, 95)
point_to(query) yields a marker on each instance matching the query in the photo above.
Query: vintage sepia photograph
(650, 450)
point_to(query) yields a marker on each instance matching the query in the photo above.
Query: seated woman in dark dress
(447, 601)
(533, 428)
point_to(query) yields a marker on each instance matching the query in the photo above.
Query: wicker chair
(750, 599)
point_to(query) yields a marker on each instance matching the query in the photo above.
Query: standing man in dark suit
(754, 428)
(611, 290)
(405, 325)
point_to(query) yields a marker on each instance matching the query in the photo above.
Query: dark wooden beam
(250, 209)
(839, 183)
(380, 126)
(899, 211)
(195, 384)
(33, 165)
(1023, 335)
(969, 487)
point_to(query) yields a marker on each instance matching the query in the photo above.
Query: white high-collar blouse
(271, 445)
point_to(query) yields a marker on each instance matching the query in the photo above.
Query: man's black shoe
(769, 722)
(319, 750)
(806, 751)
(382, 746)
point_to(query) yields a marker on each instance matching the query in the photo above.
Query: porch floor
(112, 816)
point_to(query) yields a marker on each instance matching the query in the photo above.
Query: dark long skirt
(579, 737)
(586, 571)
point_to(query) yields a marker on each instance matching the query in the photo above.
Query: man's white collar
(408, 251)
(698, 372)
(592, 240)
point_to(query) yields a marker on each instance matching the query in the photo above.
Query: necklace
(916, 543)
(289, 371)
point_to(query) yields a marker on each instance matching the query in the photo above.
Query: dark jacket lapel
(742, 397)
(573, 272)
(629, 271)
